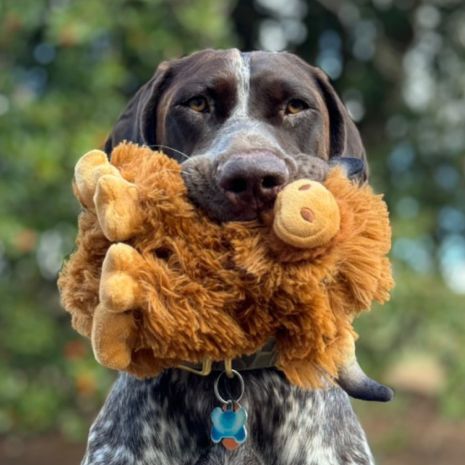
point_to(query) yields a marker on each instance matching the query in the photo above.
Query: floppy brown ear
(137, 123)
(345, 139)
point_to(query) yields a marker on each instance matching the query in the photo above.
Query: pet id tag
(229, 421)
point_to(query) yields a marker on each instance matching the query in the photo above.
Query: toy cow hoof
(116, 203)
(111, 338)
(88, 170)
(119, 287)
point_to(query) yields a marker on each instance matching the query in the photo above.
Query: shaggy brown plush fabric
(155, 283)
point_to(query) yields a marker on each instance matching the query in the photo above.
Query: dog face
(243, 125)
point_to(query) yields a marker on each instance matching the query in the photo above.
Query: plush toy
(155, 283)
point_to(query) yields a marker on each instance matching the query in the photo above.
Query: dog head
(243, 125)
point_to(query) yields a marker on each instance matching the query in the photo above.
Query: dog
(243, 125)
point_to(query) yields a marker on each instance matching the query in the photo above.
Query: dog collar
(264, 358)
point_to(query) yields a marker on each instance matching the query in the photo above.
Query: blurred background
(67, 70)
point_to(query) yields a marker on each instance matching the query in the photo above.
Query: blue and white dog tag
(229, 421)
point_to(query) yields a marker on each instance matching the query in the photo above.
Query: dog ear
(345, 140)
(355, 168)
(137, 123)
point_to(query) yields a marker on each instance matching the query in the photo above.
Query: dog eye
(198, 104)
(295, 106)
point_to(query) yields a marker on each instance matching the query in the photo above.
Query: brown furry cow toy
(155, 283)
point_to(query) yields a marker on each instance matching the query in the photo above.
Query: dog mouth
(250, 214)
(253, 206)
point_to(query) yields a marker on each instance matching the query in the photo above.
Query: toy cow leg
(110, 336)
(114, 327)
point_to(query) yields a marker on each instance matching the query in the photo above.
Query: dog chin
(228, 213)
(247, 215)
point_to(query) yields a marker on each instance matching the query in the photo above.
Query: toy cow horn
(358, 385)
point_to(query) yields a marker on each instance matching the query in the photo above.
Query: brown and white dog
(242, 125)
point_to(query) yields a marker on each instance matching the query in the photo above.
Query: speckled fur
(165, 421)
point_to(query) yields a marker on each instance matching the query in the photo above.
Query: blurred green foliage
(68, 68)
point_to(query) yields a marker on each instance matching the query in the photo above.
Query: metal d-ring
(217, 392)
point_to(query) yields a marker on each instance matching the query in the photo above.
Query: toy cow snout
(306, 214)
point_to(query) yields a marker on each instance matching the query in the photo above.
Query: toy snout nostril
(307, 214)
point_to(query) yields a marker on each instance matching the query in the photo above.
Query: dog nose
(252, 180)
